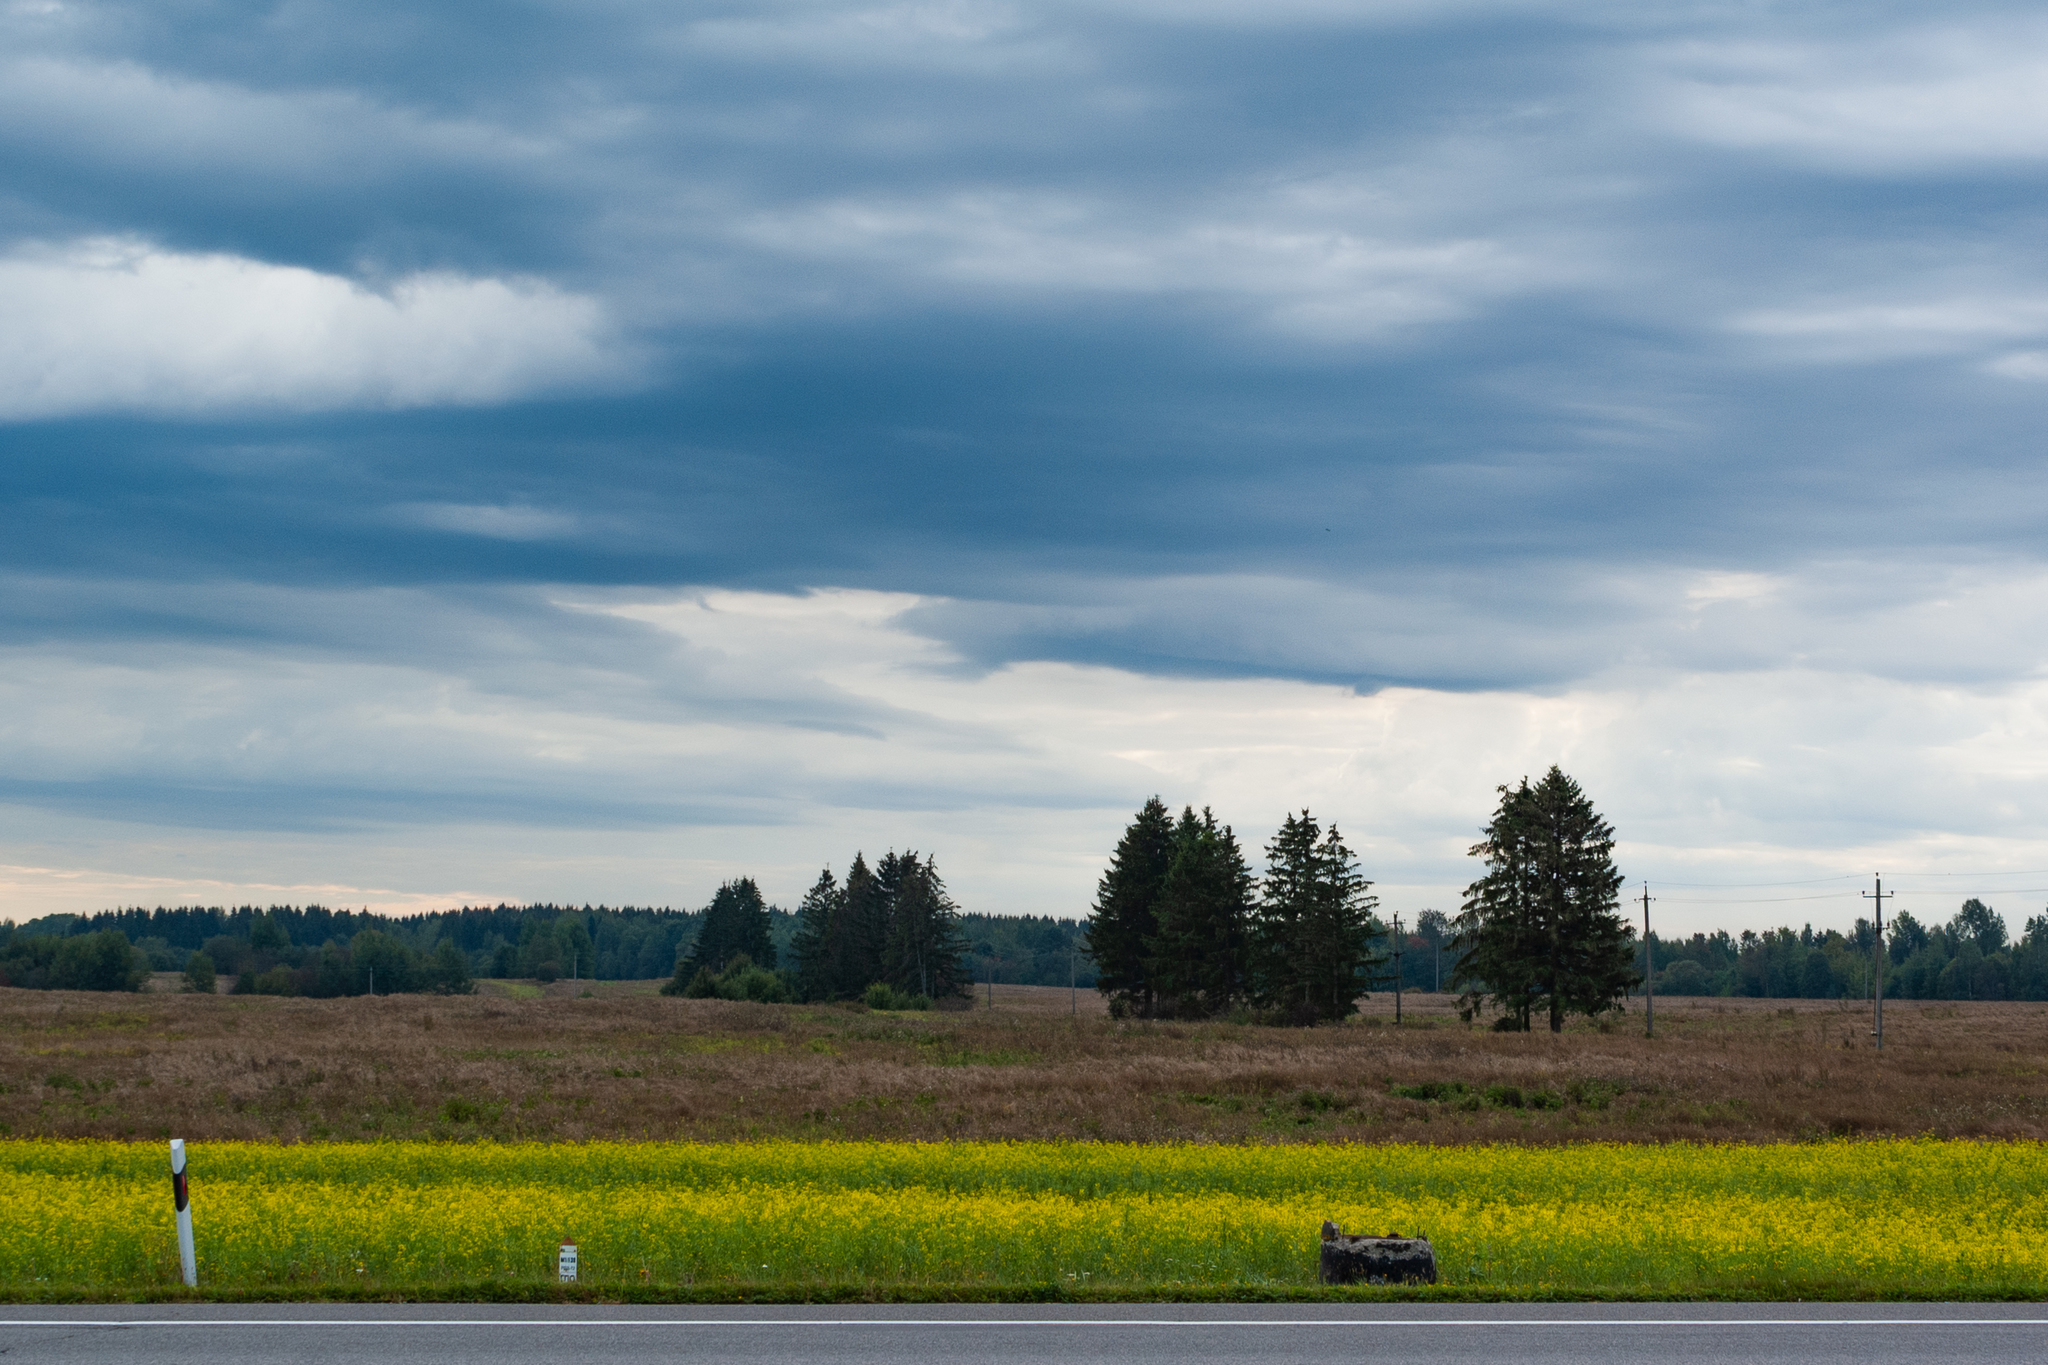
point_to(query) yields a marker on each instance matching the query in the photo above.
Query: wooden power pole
(1878, 898)
(1397, 969)
(1649, 971)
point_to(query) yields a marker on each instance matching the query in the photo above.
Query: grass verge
(733, 1294)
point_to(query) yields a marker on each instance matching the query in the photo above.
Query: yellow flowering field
(1846, 1217)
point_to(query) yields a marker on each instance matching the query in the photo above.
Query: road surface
(1137, 1334)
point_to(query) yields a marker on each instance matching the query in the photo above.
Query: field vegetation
(793, 1220)
(517, 1062)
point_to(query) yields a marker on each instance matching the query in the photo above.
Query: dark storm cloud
(1376, 344)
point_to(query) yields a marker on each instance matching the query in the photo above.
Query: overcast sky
(584, 452)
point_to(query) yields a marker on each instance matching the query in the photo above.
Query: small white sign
(565, 1266)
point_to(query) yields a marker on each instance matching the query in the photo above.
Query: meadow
(443, 1147)
(1095, 1220)
(623, 1063)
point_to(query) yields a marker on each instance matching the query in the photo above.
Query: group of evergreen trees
(888, 934)
(733, 956)
(1182, 929)
(893, 924)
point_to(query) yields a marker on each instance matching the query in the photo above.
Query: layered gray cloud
(622, 424)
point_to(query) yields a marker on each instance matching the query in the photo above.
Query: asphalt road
(1146, 1334)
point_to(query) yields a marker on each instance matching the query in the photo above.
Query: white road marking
(1023, 1322)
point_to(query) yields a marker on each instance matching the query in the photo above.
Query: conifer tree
(1314, 928)
(735, 922)
(1197, 963)
(819, 942)
(866, 934)
(926, 946)
(1540, 929)
(1124, 917)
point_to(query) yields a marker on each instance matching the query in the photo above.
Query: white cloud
(489, 521)
(1884, 331)
(1323, 259)
(731, 732)
(2022, 365)
(132, 116)
(121, 325)
(1918, 100)
(1714, 587)
(969, 36)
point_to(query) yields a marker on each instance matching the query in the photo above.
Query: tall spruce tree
(820, 939)
(866, 934)
(735, 922)
(926, 948)
(1124, 920)
(1197, 964)
(1540, 930)
(1314, 929)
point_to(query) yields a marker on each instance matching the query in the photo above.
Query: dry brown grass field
(515, 1061)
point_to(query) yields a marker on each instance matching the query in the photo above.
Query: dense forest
(1972, 957)
(315, 950)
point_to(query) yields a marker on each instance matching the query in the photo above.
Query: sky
(583, 453)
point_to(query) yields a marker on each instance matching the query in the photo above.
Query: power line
(1738, 886)
(1786, 900)
(1857, 876)
(1753, 900)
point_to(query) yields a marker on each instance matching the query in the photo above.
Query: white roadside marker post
(183, 1200)
(565, 1263)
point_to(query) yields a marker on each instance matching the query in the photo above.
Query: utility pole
(1397, 969)
(1073, 991)
(1878, 897)
(1649, 970)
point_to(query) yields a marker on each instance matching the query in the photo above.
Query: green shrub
(1504, 1096)
(199, 974)
(98, 962)
(1432, 1090)
(880, 995)
(1593, 1094)
(276, 981)
(742, 979)
(702, 986)
(469, 1111)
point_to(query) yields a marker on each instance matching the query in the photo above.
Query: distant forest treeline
(1971, 957)
(317, 950)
